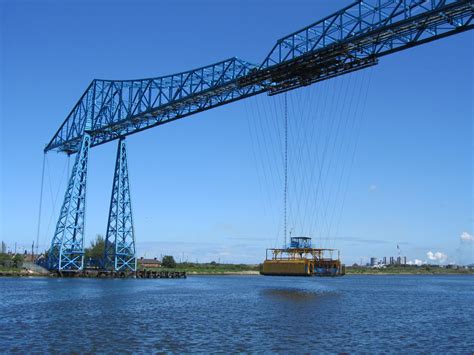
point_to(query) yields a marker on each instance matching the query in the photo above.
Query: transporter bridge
(354, 38)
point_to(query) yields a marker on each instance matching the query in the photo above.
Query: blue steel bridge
(354, 38)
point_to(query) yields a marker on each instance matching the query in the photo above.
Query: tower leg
(119, 255)
(67, 247)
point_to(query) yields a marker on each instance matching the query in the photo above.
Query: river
(239, 314)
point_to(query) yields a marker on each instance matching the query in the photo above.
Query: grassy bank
(408, 270)
(253, 269)
(244, 269)
(214, 269)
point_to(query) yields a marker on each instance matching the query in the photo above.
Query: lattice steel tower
(119, 255)
(67, 247)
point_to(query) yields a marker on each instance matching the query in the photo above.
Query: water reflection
(288, 294)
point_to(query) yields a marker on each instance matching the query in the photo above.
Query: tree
(168, 262)
(18, 260)
(96, 250)
(5, 259)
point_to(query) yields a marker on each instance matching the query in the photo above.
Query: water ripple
(239, 314)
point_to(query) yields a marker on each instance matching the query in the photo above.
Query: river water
(239, 314)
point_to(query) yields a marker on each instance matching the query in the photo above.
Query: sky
(197, 183)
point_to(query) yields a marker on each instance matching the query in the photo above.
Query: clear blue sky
(195, 187)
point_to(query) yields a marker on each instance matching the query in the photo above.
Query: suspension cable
(40, 203)
(285, 189)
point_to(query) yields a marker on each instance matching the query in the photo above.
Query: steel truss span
(351, 39)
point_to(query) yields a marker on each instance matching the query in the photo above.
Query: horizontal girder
(110, 109)
(356, 37)
(351, 39)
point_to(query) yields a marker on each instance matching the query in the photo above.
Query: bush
(168, 262)
(5, 260)
(97, 248)
(18, 260)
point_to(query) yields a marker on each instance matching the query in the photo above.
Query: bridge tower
(119, 253)
(66, 253)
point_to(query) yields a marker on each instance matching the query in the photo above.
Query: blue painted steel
(119, 254)
(374, 27)
(117, 108)
(300, 242)
(67, 247)
(356, 36)
(351, 39)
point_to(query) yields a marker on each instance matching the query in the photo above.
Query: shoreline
(22, 273)
(411, 273)
(25, 274)
(222, 273)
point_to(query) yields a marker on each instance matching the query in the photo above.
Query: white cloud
(372, 187)
(417, 262)
(466, 237)
(438, 256)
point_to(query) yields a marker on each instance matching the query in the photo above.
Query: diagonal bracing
(67, 247)
(119, 254)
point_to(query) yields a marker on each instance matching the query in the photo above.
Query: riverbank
(408, 270)
(243, 269)
(254, 269)
(21, 273)
(214, 268)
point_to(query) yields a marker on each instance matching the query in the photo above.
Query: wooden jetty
(149, 274)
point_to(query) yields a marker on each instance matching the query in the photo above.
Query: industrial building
(392, 260)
